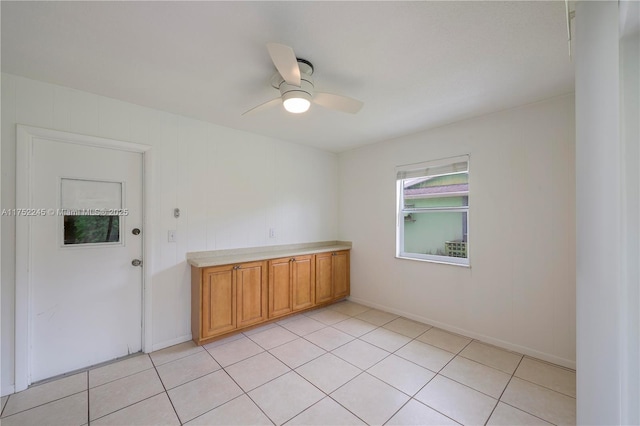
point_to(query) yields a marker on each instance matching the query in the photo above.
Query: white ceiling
(416, 65)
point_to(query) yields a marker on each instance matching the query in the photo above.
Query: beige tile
(457, 401)
(401, 374)
(156, 411)
(325, 412)
(239, 411)
(256, 371)
(118, 370)
(328, 316)
(44, 393)
(112, 396)
(361, 354)
(174, 352)
(235, 351)
(376, 317)
(370, 399)
(407, 327)
(477, 376)
(550, 376)
(259, 329)
(506, 415)
(444, 340)
(202, 395)
(549, 405)
(303, 325)
(415, 413)
(185, 369)
(68, 411)
(425, 355)
(294, 317)
(349, 308)
(224, 341)
(273, 337)
(388, 340)
(297, 352)
(354, 327)
(492, 356)
(328, 372)
(329, 338)
(285, 397)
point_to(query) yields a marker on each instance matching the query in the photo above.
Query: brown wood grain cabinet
(225, 298)
(303, 282)
(230, 298)
(280, 301)
(291, 284)
(332, 276)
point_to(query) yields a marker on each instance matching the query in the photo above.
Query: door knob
(136, 262)
(135, 231)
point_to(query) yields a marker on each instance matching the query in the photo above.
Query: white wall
(608, 196)
(230, 186)
(519, 292)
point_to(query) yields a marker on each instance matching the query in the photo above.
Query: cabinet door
(251, 293)
(324, 292)
(279, 287)
(303, 282)
(218, 301)
(340, 274)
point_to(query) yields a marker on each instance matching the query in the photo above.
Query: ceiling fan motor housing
(305, 90)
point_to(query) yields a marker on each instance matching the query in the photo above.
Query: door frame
(24, 149)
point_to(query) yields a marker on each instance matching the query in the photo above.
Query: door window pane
(86, 229)
(86, 205)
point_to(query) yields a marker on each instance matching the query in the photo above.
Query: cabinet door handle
(293, 259)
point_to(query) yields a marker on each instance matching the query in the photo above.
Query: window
(433, 211)
(91, 211)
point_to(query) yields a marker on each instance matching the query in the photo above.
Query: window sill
(442, 262)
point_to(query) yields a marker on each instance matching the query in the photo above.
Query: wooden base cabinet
(291, 285)
(332, 276)
(230, 298)
(225, 298)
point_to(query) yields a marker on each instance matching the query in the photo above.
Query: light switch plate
(171, 236)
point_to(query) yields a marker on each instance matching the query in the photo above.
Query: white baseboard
(481, 337)
(167, 343)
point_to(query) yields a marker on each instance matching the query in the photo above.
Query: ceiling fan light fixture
(296, 102)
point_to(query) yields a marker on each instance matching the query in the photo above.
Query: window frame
(435, 168)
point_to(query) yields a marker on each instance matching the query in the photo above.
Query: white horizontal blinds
(79, 194)
(445, 166)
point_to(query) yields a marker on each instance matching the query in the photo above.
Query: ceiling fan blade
(337, 102)
(284, 58)
(263, 106)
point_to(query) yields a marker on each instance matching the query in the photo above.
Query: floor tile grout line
(531, 414)
(543, 386)
(88, 402)
(166, 392)
(44, 403)
(504, 390)
(232, 399)
(131, 405)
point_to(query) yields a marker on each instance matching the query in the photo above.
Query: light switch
(171, 236)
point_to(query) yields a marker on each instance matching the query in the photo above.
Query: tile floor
(342, 365)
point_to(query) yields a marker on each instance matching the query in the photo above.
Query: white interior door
(86, 296)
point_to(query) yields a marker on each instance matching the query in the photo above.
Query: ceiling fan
(295, 82)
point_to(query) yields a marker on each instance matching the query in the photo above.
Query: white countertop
(203, 259)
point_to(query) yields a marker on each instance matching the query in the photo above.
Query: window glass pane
(436, 233)
(91, 229)
(440, 191)
(79, 194)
